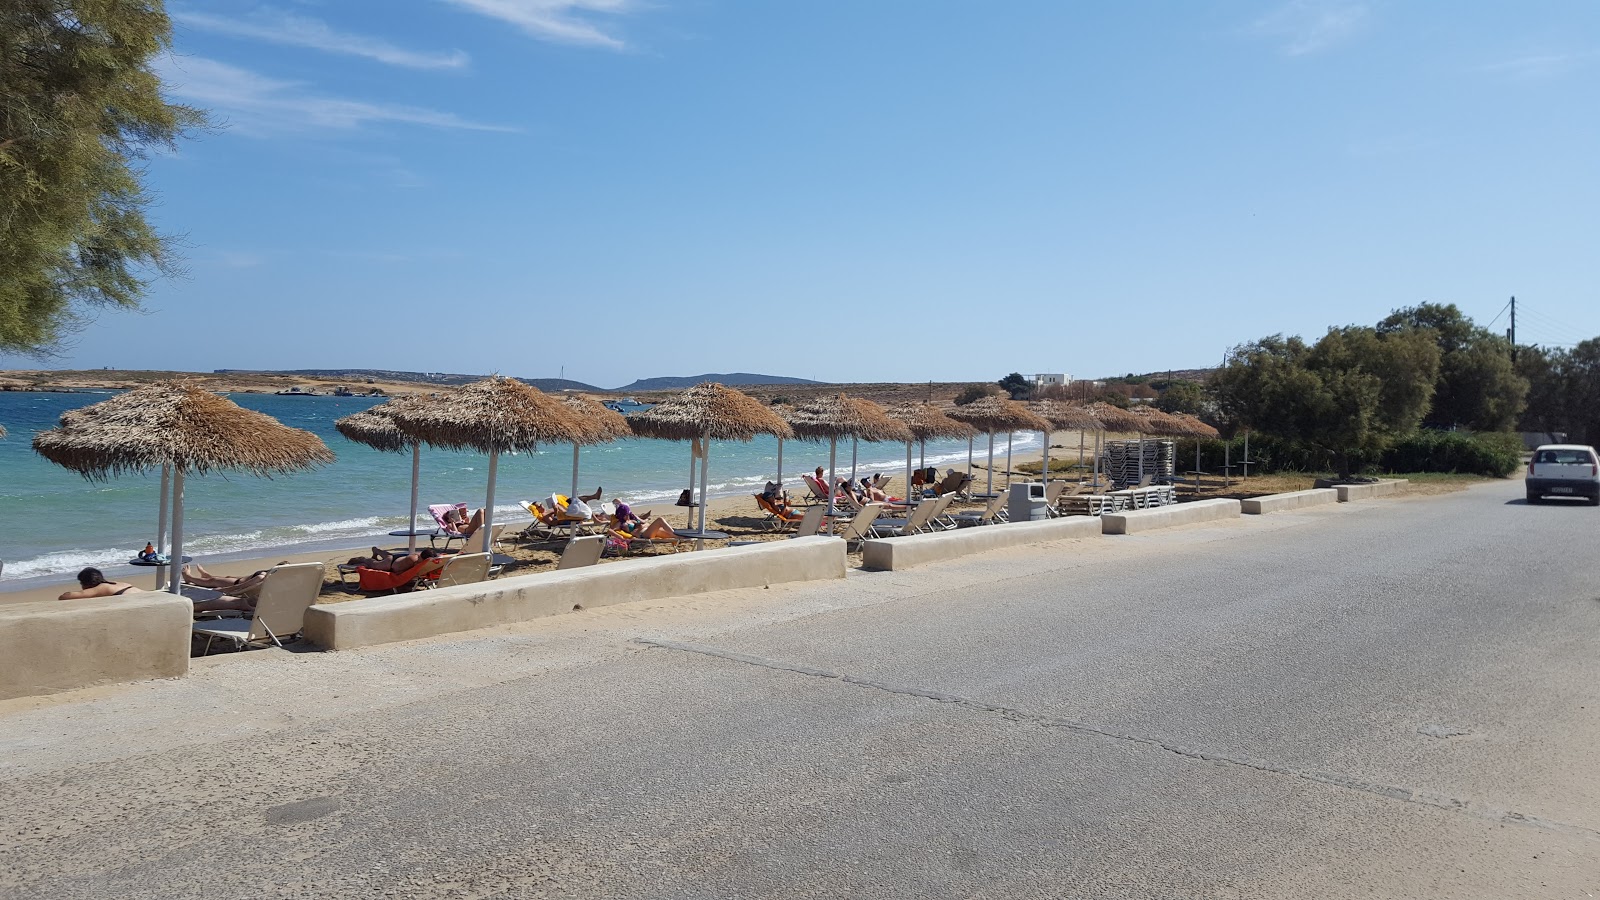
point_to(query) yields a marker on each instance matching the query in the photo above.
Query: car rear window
(1565, 457)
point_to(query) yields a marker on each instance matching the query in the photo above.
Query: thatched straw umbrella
(376, 428)
(181, 428)
(996, 413)
(1065, 417)
(492, 416)
(838, 416)
(604, 424)
(1154, 421)
(704, 412)
(927, 421)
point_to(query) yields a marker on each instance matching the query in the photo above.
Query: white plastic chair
(285, 594)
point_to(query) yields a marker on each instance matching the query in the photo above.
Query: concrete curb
(1272, 503)
(1349, 492)
(1138, 520)
(894, 554)
(384, 620)
(61, 645)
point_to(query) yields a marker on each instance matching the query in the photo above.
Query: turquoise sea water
(58, 522)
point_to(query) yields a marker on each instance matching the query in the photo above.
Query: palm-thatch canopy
(1154, 421)
(602, 422)
(929, 422)
(709, 409)
(1196, 427)
(1115, 418)
(377, 428)
(1066, 416)
(997, 413)
(179, 425)
(495, 415)
(838, 416)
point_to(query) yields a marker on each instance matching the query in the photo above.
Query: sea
(57, 522)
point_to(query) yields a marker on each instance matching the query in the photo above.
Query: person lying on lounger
(458, 521)
(384, 561)
(94, 584)
(656, 529)
(237, 592)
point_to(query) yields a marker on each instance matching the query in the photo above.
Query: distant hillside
(732, 378)
(442, 378)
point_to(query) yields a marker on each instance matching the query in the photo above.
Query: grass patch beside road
(1213, 486)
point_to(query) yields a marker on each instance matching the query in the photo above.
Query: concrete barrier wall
(1137, 520)
(1349, 492)
(892, 554)
(383, 620)
(1272, 503)
(61, 645)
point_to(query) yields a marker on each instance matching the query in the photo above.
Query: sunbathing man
(384, 561)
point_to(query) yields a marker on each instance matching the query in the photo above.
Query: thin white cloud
(256, 105)
(278, 27)
(1301, 27)
(1539, 66)
(555, 20)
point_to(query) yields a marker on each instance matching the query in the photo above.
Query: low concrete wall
(60, 645)
(1348, 492)
(1272, 503)
(1138, 520)
(893, 554)
(383, 620)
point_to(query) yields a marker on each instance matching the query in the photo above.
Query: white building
(1049, 378)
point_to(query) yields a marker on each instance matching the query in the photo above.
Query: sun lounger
(940, 519)
(583, 551)
(627, 543)
(285, 595)
(448, 532)
(777, 519)
(384, 581)
(811, 522)
(954, 482)
(859, 528)
(463, 568)
(915, 523)
(988, 516)
(819, 494)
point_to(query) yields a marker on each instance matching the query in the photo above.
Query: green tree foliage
(79, 107)
(1355, 390)
(1478, 386)
(1565, 390)
(1018, 387)
(1182, 397)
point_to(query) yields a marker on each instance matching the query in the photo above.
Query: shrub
(1491, 454)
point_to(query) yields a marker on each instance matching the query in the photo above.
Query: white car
(1564, 470)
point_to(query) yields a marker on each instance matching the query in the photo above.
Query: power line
(1498, 315)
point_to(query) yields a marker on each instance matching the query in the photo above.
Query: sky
(857, 191)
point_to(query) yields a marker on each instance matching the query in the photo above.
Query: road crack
(1474, 808)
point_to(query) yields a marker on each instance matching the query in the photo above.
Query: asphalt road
(1397, 698)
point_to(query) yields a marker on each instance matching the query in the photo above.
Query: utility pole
(1511, 333)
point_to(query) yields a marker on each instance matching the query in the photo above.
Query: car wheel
(1532, 498)
(1594, 501)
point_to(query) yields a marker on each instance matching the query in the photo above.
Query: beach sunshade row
(179, 425)
(1066, 416)
(1154, 421)
(1115, 418)
(600, 422)
(838, 416)
(709, 410)
(377, 428)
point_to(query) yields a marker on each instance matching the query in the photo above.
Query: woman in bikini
(94, 584)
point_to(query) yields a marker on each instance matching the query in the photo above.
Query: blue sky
(859, 191)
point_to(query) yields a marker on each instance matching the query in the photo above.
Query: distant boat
(342, 391)
(296, 392)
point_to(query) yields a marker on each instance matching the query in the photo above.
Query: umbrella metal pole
(855, 445)
(1141, 456)
(1080, 452)
(705, 459)
(1009, 437)
(416, 473)
(780, 465)
(969, 454)
(1197, 464)
(833, 449)
(161, 523)
(990, 488)
(1227, 463)
(175, 585)
(1044, 470)
(1246, 461)
(1097, 461)
(693, 443)
(922, 457)
(574, 468)
(907, 497)
(488, 505)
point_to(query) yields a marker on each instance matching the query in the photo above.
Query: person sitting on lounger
(658, 528)
(237, 592)
(625, 519)
(458, 521)
(94, 584)
(384, 561)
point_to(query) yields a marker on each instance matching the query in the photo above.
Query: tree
(1182, 397)
(1356, 389)
(1478, 386)
(972, 393)
(79, 107)
(1018, 387)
